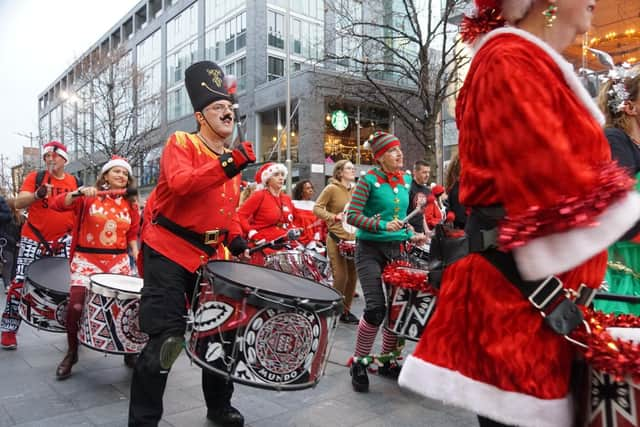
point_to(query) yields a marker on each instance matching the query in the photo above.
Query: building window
(275, 23)
(238, 69)
(178, 103)
(178, 62)
(216, 10)
(275, 68)
(182, 27)
(227, 38)
(273, 137)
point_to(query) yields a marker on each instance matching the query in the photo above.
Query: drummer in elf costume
(46, 232)
(193, 217)
(106, 227)
(378, 205)
(537, 174)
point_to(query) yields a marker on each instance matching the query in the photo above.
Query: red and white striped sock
(366, 336)
(389, 341)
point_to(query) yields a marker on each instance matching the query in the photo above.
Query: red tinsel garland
(488, 17)
(575, 211)
(403, 275)
(613, 356)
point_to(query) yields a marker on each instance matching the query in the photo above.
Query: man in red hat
(193, 209)
(46, 232)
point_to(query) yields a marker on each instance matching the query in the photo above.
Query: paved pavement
(98, 392)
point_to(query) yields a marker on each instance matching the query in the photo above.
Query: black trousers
(371, 258)
(163, 315)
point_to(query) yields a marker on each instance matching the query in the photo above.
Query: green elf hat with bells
(204, 83)
(381, 142)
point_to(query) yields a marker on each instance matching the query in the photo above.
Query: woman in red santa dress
(268, 213)
(531, 144)
(106, 227)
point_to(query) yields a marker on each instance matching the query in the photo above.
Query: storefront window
(343, 144)
(273, 135)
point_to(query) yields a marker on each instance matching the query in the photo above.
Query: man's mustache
(227, 116)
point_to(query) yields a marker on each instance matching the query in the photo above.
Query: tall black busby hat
(203, 81)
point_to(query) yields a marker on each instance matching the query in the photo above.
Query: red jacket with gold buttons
(194, 192)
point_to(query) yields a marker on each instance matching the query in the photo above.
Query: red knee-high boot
(74, 311)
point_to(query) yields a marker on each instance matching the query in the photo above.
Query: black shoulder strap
(40, 178)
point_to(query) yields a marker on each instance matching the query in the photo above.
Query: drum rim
(244, 285)
(265, 386)
(40, 285)
(92, 282)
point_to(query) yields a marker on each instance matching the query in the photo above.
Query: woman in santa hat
(434, 210)
(531, 145)
(268, 213)
(106, 226)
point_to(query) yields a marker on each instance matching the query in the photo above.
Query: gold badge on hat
(216, 79)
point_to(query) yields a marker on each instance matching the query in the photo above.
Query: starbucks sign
(339, 120)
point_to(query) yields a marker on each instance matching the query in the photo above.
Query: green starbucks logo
(339, 120)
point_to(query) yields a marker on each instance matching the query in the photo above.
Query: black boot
(227, 416)
(390, 369)
(359, 377)
(130, 360)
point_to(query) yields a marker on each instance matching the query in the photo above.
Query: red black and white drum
(612, 403)
(45, 294)
(109, 321)
(261, 327)
(410, 300)
(302, 263)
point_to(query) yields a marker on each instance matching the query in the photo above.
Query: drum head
(118, 282)
(50, 273)
(276, 282)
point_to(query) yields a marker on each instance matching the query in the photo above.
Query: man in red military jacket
(193, 211)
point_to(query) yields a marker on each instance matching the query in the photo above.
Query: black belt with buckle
(202, 241)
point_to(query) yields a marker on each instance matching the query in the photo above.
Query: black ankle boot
(359, 377)
(227, 416)
(390, 370)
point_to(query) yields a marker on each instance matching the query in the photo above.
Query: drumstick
(419, 208)
(122, 192)
(293, 234)
(230, 83)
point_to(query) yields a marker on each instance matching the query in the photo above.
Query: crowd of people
(486, 347)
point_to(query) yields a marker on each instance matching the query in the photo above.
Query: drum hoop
(133, 294)
(40, 285)
(243, 287)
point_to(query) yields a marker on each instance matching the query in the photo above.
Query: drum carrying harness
(557, 305)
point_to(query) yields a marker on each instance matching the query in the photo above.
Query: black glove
(41, 192)
(238, 246)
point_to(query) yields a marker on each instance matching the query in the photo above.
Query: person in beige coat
(329, 207)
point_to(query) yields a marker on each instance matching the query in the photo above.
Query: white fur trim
(515, 10)
(252, 233)
(566, 68)
(507, 407)
(60, 152)
(116, 162)
(626, 334)
(272, 170)
(560, 252)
